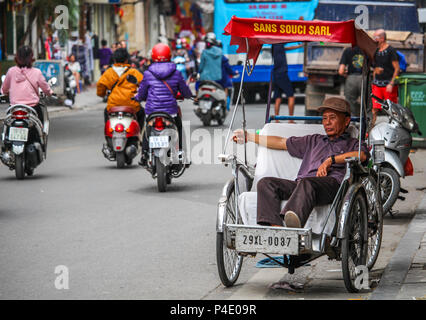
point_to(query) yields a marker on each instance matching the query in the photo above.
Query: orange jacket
(124, 90)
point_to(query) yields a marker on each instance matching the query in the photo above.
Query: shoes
(291, 220)
(144, 160)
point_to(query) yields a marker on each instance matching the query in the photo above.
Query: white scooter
(396, 134)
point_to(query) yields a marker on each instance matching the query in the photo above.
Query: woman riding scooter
(159, 88)
(22, 82)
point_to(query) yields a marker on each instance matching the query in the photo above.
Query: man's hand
(324, 167)
(239, 136)
(389, 88)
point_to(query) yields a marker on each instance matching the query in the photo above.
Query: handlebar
(381, 101)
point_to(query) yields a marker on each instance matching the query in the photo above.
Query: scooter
(70, 86)
(211, 103)
(396, 134)
(165, 161)
(123, 136)
(24, 138)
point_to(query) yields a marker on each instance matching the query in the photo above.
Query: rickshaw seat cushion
(279, 163)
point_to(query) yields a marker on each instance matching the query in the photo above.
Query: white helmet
(210, 38)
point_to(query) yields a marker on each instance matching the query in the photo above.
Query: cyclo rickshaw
(350, 229)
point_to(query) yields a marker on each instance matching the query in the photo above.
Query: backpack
(402, 61)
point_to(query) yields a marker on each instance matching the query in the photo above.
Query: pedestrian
(105, 55)
(79, 52)
(386, 69)
(350, 67)
(75, 68)
(281, 81)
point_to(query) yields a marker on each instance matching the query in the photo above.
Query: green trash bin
(412, 94)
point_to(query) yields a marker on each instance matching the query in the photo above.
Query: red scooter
(123, 136)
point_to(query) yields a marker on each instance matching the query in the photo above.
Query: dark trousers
(178, 122)
(302, 195)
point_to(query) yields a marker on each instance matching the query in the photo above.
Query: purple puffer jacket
(156, 94)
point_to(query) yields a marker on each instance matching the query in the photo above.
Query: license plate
(267, 241)
(205, 104)
(159, 142)
(18, 134)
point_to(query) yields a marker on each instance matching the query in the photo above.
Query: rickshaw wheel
(354, 243)
(374, 220)
(229, 263)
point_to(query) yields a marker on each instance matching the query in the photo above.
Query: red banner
(262, 31)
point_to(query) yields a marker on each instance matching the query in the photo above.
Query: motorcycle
(212, 103)
(70, 86)
(123, 136)
(396, 134)
(165, 161)
(24, 137)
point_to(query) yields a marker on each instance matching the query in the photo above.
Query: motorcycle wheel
(206, 121)
(121, 159)
(20, 166)
(390, 185)
(161, 175)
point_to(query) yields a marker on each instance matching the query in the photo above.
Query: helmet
(161, 53)
(210, 38)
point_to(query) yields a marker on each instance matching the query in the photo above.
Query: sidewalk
(404, 277)
(86, 99)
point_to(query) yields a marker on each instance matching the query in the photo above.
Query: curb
(397, 269)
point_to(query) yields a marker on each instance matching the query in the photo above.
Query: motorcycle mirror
(132, 79)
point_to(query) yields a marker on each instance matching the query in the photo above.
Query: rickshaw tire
(379, 230)
(220, 247)
(345, 246)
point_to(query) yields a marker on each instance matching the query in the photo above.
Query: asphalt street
(118, 238)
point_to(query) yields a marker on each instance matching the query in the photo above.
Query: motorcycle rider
(122, 82)
(159, 87)
(211, 60)
(22, 82)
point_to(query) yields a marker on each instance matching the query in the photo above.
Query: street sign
(50, 69)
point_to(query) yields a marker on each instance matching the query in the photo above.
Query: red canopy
(268, 31)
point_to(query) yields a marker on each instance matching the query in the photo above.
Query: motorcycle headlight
(73, 83)
(408, 122)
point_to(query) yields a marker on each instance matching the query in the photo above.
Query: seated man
(320, 174)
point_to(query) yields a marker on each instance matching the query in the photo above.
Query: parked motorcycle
(164, 159)
(123, 136)
(70, 86)
(396, 134)
(24, 138)
(211, 103)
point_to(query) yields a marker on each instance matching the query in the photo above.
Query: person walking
(105, 55)
(350, 67)
(386, 69)
(281, 81)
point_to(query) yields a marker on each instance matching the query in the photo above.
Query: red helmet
(161, 53)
